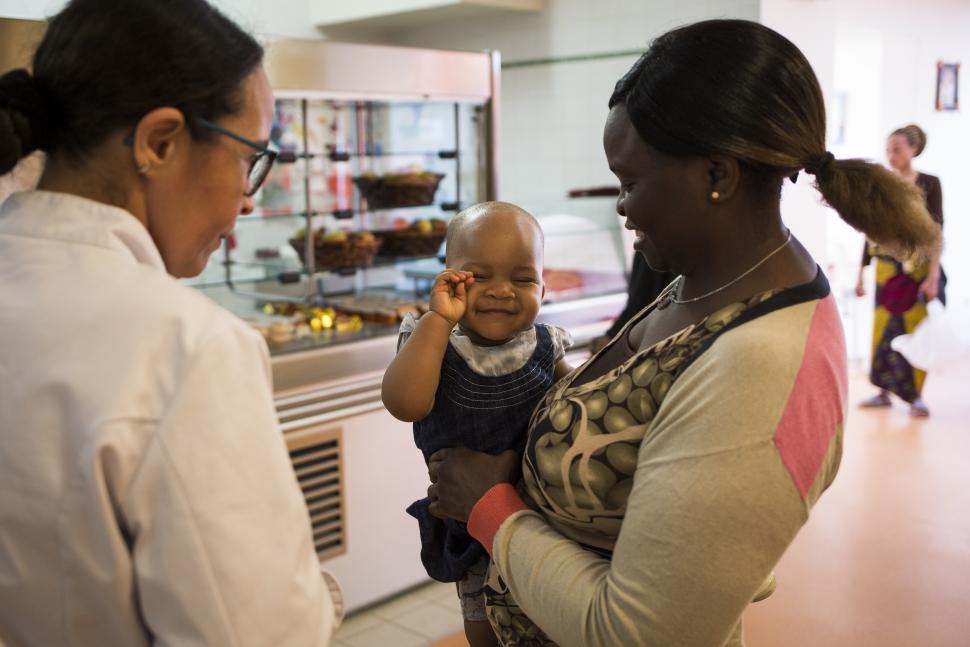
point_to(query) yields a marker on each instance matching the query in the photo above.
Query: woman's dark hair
(914, 135)
(737, 88)
(103, 64)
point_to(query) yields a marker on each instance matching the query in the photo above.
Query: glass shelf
(262, 214)
(291, 266)
(292, 157)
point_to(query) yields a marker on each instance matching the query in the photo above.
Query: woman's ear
(155, 136)
(724, 177)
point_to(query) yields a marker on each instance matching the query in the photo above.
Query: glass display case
(351, 216)
(378, 148)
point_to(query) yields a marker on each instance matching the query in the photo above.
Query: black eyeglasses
(259, 164)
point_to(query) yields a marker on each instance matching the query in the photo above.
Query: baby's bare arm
(563, 368)
(412, 377)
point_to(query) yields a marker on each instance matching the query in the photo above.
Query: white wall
(280, 18)
(880, 56)
(553, 114)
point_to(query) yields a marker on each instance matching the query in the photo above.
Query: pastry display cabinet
(378, 148)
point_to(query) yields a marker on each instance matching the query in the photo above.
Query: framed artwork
(947, 77)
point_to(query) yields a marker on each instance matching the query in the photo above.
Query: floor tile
(433, 621)
(449, 603)
(357, 623)
(386, 635)
(437, 590)
(399, 606)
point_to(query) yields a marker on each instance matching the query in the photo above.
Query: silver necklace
(668, 297)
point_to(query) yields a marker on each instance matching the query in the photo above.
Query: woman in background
(902, 288)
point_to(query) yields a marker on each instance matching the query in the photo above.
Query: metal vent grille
(317, 456)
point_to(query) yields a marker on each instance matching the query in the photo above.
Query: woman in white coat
(146, 495)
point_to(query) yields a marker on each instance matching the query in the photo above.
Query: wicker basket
(396, 243)
(394, 191)
(339, 255)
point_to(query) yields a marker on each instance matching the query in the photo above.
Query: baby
(470, 372)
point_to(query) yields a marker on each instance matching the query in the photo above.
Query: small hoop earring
(715, 195)
(143, 168)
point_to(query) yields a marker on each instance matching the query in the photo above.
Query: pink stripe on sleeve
(816, 405)
(488, 514)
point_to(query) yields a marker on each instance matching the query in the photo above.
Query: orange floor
(885, 559)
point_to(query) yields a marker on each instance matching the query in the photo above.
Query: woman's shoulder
(172, 313)
(928, 179)
(767, 328)
(780, 378)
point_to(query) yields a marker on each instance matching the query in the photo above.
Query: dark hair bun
(25, 118)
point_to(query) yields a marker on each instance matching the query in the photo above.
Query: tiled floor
(883, 562)
(421, 617)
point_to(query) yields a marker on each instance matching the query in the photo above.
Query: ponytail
(887, 209)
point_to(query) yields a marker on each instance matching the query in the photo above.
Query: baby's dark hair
(738, 88)
(103, 64)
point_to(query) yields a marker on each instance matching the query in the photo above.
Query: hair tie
(19, 91)
(819, 166)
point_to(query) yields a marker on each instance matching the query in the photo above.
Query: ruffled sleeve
(407, 327)
(561, 340)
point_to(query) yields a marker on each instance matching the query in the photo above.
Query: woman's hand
(448, 294)
(860, 287)
(460, 477)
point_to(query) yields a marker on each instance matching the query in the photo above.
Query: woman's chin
(188, 269)
(655, 261)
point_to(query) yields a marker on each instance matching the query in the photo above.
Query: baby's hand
(448, 295)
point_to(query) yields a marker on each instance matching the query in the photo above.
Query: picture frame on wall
(947, 86)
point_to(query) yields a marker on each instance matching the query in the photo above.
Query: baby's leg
(471, 594)
(479, 633)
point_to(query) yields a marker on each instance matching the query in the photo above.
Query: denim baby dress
(487, 413)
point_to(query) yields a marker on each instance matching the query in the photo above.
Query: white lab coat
(146, 495)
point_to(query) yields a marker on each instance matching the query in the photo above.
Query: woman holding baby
(662, 481)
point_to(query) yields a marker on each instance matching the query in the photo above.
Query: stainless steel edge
(311, 67)
(351, 373)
